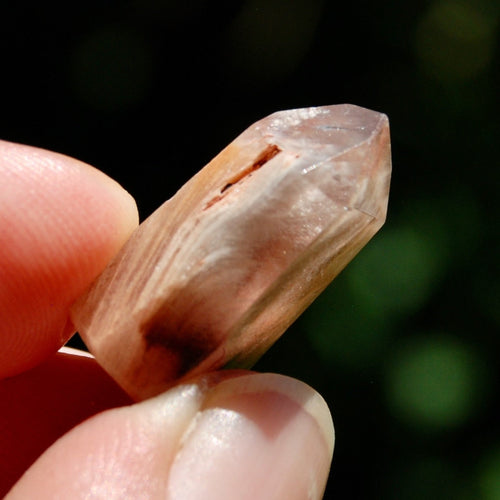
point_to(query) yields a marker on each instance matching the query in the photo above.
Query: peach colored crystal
(220, 270)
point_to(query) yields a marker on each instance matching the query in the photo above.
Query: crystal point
(220, 270)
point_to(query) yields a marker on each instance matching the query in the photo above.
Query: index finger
(61, 221)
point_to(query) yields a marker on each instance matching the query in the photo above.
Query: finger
(250, 436)
(42, 404)
(60, 223)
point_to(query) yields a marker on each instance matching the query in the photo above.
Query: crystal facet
(220, 270)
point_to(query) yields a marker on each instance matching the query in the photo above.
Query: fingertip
(62, 221)
(264, 436)
(115, 203)
(242, 435)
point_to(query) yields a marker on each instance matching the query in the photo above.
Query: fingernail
(262, 436)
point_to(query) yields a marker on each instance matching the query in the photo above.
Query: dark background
(404, 344)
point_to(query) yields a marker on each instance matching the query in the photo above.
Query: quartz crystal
(219, 271)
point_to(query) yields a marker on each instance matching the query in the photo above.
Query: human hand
(224, 435)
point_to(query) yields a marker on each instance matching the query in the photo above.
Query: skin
(67, 430)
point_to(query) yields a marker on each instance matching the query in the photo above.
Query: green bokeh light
(455, 40)
(451, 222)
(345, 333)
(489, 475)
(435, 381)
(397, 271)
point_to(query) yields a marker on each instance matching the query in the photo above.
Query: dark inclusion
(190, 347)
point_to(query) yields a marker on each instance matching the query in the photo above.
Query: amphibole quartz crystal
(219, 271)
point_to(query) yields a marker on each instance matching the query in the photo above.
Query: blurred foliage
(435, 381)
(403, 345)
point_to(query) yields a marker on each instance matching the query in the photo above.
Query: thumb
(225, 435)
